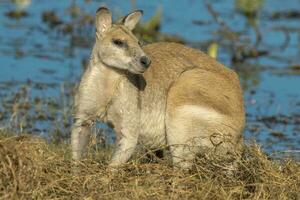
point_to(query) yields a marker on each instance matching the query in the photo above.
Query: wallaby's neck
(108, 78)
(105, 78)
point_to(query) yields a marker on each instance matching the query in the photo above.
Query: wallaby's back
(171, 59)
(200, 79)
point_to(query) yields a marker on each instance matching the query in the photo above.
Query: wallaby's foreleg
(80, 138)
(124, 150)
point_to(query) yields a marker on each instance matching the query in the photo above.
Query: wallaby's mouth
(138, 68)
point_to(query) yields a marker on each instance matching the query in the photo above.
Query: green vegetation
(150, 32)
(30, 168)
(249, 7)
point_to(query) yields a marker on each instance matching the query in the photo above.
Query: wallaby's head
(116, 46)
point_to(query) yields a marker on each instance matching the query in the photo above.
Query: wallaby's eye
(118, 42)
(141, 43)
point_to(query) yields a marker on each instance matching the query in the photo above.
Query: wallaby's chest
(144, 109)
(152, 125)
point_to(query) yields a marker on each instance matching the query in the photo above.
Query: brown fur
(185, 98)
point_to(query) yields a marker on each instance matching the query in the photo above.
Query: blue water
(30, 50)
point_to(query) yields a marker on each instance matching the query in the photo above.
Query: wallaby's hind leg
(204, 110)
(181, 145)
(191, 128)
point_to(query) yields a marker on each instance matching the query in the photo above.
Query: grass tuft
(30, 168)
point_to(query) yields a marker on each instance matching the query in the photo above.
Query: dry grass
(32, 169)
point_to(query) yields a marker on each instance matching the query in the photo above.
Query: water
(48, 62)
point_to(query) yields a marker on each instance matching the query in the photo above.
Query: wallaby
(158, 94)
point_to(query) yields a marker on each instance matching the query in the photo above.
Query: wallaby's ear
(132, 19)
(103, 20)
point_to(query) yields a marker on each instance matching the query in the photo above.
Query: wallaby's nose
(145, 61)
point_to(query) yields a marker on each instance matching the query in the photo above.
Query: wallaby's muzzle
(145, 61)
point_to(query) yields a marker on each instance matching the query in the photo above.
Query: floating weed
(249, 7)
(150, 31)
(16, 14)
(289, 14)
(278, 135)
